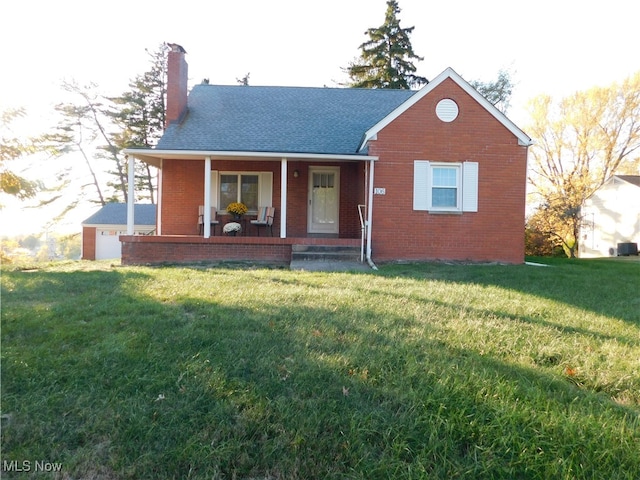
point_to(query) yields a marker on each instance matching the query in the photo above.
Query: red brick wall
(297, 199)
(351, 194)
(183, 192)
(154, 250)
(88, 243)
(496, 231)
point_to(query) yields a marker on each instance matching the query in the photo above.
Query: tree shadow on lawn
(604, 287)
(291, 393)
(196, 388)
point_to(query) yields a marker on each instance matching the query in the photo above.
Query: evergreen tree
(140, 114)
(386, 58)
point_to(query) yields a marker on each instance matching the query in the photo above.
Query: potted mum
(236, 210)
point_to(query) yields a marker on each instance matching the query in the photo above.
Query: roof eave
(154, 156)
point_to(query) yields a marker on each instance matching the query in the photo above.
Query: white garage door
(108, 244)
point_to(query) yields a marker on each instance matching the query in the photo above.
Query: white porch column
(370, 209)
(283, 198)
(131, 195)
(159, 201)
(207, 197)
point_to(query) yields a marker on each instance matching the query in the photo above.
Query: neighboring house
(101, 231)
(437, 173)
(611, 217)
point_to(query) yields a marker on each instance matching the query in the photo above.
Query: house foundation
(184, 249)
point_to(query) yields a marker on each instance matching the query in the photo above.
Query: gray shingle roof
(634, 179)
(116, 214)
(279, 119)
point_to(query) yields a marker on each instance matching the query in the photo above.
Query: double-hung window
(254, 189)
(239, 187)
(445, 187)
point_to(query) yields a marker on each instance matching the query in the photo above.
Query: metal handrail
(363, 230)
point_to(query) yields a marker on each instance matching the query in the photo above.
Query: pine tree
(140, 114)
(386, 58)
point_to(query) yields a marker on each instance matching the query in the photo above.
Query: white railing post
(283, 198)
(207, 197)
(131, 195)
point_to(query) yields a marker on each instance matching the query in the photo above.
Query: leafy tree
(580, 144)
(498, 92)
(537, 242)
(11, 149)
(386, 58)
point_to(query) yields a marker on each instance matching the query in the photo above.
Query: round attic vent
(447, 110)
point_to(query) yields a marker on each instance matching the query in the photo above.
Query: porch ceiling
(154, 157)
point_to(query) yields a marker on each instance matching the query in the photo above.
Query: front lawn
(415, 371)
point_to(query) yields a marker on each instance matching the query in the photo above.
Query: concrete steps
(326, 257)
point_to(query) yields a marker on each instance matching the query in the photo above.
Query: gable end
(371, 134)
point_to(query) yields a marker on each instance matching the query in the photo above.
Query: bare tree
(96, 111)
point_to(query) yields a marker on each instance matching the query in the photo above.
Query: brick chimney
(176, 84)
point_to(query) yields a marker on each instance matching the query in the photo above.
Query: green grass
(414, 371)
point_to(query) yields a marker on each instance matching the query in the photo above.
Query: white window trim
(467, 186)
(265, 188)
(458, 168)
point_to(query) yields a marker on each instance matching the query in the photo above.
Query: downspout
(370, 215)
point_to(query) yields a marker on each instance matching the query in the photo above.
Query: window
(238, 187)
(251, 188)
(445, 187)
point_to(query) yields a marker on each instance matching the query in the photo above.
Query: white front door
(324, 199)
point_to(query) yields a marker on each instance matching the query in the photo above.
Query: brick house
(433, 174)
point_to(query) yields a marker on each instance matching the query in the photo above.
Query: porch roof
(153, 156)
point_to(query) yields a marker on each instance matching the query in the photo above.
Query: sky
(553, 47)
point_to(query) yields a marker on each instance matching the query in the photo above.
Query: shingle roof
(280, 119)
(116, 214)
(634, 179)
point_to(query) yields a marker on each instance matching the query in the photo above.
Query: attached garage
(101, 231)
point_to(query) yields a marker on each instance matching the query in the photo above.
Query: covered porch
(318, 200)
